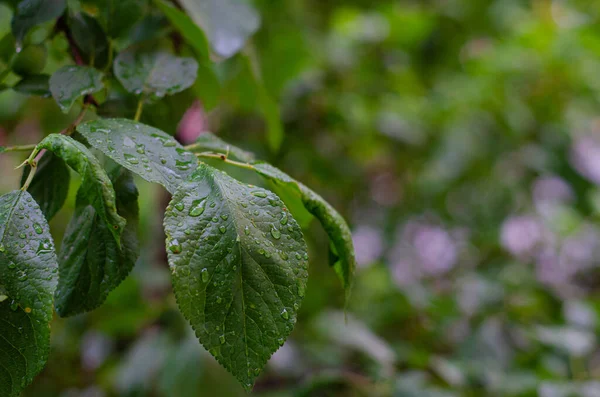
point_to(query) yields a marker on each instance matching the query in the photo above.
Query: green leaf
(27, 281)
(192, 34)
(119, 16)
(154, 73)
(207, 141)
(71, 82)
(95, 183)
(30, 13)
(227, 23)
(145, 150)
(90, 39)
(50, 184)
(239, 266)
(36, 84)
(91, 263)
(333, 223)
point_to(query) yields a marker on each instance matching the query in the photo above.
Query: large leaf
(27, 281)
(95, 185)
(207, 141)
(30, 13)
(227, 23)
(333, 223)
(147, 151)
(154, 73)
(71, 82)
(188, 29)
(239, 266)
(50, 184)
(91, 263)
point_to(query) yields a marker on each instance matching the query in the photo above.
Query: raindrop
(259, 193)
(205, 275)
(222, 229)
(131, 158)
(224, 217)
(284, 218)
(22, 235)
(174, 246)
(284, 314)
(197, 207)
(222, 339)
(141, 149)
(38, 229)
(163, 160)
(275, 233)
(246, 230)
(179, 206)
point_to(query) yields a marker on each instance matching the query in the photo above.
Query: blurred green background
(461, 140)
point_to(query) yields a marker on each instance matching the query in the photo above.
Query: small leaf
(154, 73)
(28, 280)
(207, 141)
(95, 185)
(30, 13)
(36, 84)
(145, 150)
(91, 263)
(71, 82)
(227, 23)
(239, 266)
(192, 34)
(333, 223)
(90, 39)
(119, 16)
(50, 184)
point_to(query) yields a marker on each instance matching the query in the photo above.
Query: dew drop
(259, 193)
(224, 217)
(174, 246)
(284, 314)
(222, 229)
(22, 235)
(197, 207)
(131, 158)
(179, 206)
(275, 233)
(205, 275)
(141, 149)
(222, 339)
(284, 219)
(38, 229)
(246, 230)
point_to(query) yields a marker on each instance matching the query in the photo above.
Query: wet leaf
(154, 73)
(30, 13)
(145, 150)
(95, 183)
(227, 23)
(239, 266)
(91, 263)
(50, 184)
(28, 280)
(333, 223)
(71, 82)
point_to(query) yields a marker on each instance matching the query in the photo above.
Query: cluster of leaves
(237, 255)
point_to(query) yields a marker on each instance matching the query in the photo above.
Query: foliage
(459, 139)
(238, 258)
